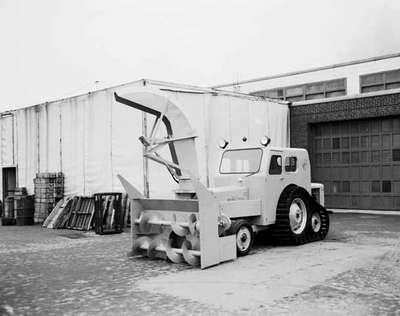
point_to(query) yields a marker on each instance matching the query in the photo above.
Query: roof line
(72, 96)
(168, 86)
(144, 81)
(298, 72)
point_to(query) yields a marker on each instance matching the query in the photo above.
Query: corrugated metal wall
(7, 139)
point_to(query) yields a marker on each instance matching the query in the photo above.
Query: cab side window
(291, 164)
(275, 166)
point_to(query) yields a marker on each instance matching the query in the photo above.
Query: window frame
(269, 166)
(384, 82)
(242, 149)
(384, 186)
(291, 171)
(304, 94)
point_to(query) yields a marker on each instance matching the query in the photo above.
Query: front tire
(244, 237)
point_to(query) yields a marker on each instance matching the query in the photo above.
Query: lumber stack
(49, 189)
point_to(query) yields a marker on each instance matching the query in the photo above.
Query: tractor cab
(261, 173)
(239, 165)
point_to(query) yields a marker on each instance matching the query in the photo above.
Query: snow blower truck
(256, 188)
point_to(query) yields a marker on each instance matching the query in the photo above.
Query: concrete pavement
(355, 271)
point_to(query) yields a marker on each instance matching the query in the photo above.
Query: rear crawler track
(282, 231)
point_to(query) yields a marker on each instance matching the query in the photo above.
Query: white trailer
(91, 138)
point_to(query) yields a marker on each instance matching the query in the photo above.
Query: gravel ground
(355, 271)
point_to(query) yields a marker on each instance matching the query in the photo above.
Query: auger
(257, 187)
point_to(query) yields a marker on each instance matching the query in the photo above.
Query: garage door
(358, 162)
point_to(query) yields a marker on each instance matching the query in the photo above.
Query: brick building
(348, 116)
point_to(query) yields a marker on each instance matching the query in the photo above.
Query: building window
(275, 94)
(336, 187)
(396, 154)
(345, 157)
(376, 186)
(335, 88)
(294, 93)
(315, 91)
(386, 186)
(346, 186)
(309, 91)
(336, 143)
(380, 81)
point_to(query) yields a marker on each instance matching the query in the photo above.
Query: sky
(52, 49)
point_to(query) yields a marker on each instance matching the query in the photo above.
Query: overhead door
(358, 162)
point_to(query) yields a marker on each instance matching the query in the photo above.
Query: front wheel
(244, 237)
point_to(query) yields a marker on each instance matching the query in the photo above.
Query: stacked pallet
(109, 217)
(81, 215)
(49, 189)
(78, 212)
(72, 213)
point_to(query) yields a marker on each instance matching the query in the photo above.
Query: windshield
(241, 161)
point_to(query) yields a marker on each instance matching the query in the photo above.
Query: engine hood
(230, 193)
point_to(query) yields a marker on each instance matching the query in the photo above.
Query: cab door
(275, 182)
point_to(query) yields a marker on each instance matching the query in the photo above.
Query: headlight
(265, 140)
(223, 143)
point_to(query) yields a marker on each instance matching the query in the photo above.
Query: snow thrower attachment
(184, 230)
(170, 228)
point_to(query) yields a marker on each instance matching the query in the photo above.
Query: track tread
(281, 231)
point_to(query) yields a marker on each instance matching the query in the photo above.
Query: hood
(230, 193)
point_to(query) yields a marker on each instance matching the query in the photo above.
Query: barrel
(9, 207)
(8, 214)
(24, 210)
